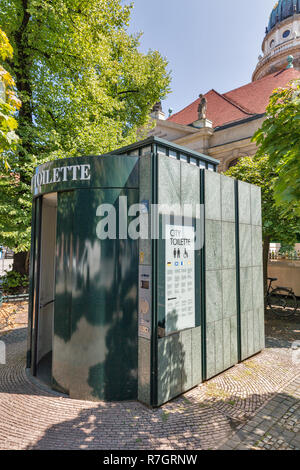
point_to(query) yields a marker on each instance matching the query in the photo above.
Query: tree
(279, 138)
(280, 223)
(9, 103)
(85, 89)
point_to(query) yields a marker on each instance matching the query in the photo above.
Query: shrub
(13, 283)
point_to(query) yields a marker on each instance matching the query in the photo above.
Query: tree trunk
(266, 248)
(22, 69)
(21, 263)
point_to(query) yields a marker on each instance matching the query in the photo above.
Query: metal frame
(36, 284)
(154, 340)
(238, 280)
(203, 281)
(156, 142)
(31, 284)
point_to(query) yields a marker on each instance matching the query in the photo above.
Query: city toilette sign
(61, 175)
(180, 277)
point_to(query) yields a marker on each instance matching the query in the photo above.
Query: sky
(208, 43)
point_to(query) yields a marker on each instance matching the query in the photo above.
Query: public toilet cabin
(127, 315)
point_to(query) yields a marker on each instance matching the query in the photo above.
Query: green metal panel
(95, 346)
(35, 294)
(113, 171)
(144, 364)
(31, 283)
(168, 181)
(220, 274)
(196, 356)
(63, 291)
(145, 250)
(178, 356)
(251, 270)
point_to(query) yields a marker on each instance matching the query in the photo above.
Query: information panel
(180, 278)
(144, 301)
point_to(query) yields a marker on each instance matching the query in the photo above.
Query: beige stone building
(222, 125)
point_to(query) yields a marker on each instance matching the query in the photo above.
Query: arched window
(233, 163)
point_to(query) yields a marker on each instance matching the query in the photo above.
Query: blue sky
(209, 44)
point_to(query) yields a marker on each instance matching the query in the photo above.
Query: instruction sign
(180, 277)
(145, 301)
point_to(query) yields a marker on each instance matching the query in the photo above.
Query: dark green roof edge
(156, 140)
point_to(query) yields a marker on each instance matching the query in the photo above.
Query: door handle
(47, 303)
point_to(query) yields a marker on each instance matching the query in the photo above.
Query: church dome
(282, 40)
(282, 10)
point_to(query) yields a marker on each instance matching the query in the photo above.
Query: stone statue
(202, 108)
(157, 107)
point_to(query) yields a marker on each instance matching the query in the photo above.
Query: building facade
(222, 125)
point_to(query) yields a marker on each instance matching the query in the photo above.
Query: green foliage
(287, 249)
(14, 282)
(9, 103)
(85, 89)
(279, 138)
(280, 223)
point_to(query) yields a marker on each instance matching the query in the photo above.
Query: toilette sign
(179, 277)
(62, 174)
(86, 172)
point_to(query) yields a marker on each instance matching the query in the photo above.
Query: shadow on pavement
(191, 425)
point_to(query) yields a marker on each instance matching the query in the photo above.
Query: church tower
(282, 39)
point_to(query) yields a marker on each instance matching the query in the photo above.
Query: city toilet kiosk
(145, 274)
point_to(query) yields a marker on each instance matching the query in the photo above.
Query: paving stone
(259, 432)
(259, 399)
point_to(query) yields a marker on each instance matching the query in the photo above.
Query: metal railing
(13, 298)
(275, 255)
(281, 47)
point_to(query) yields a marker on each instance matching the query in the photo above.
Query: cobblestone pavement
(13, 315)
(276, 426)
(255, 404)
